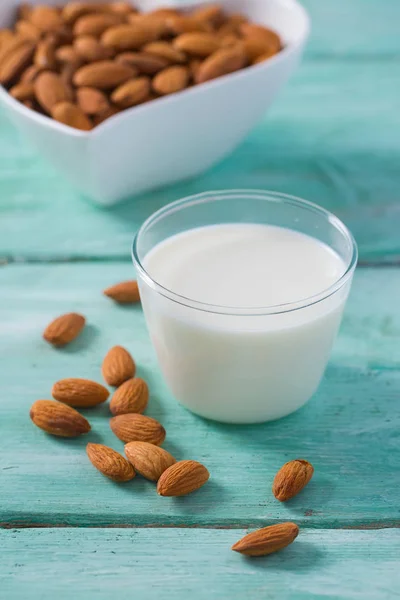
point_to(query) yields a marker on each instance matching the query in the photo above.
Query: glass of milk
(243, 292)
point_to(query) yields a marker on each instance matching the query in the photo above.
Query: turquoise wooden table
(66, 531)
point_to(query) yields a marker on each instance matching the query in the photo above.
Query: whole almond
(92, 101)
(122, 8)
(58, 419)
(127, 37)
(110, 463)
(16, 61)
(46, 18)
(197, 43)
(270, 37)
(95, 24)
(131, 397)
(118, 366)
(171, 80)
(267, 540)
(156, 25)
(213, 13)
(132, 92)
(45, 57)
(232, 24)
(67, 54)
(165, 50)
(145, 63)
(126, 292)
(70, 114)
(291, 479)
(30, 74)
(89, 48)
(73, 10)
(28, 30)
(255, 47)
(64, 329)
(104, 75)
(220, 63)
(50, 90)
(182, 478)
(138, 428)
(79, 393)
(148, 460)
(23, 91)
(10, 45)
(178, 24)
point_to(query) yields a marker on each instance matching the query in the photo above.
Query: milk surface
(242, 368)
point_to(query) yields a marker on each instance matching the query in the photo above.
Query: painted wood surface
(349, 431)
(173, 563)
(333, 138)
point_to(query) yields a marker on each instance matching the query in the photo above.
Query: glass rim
(253, 310)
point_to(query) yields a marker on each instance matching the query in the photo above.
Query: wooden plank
(332, 138)
(349, 431)
(175, 563)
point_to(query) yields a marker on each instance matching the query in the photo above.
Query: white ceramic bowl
(171, 138)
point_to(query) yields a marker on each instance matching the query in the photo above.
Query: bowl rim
(51, 124)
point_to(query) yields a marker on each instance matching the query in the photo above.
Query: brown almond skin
(132, 92)
(145, 63)
(50, 90)
(70, 114)
(79, 393)
(15, 62)
(291, 479)
(118, 366)
(251, 30)
(267, 540)
(127, 37)
(46, 18)
(28, 30)
(88, 48)
(92, 101)
(45, 57)
(68, 54)
(103, 116)
(126, 292)
(182, 478)
(197, 44)
(156, 26)
(148, 460)
(138, 428)
(213, 13)
(5, 37)
(73, 10)
(263, 57)
(255, 47)
(167, 51)
(104, 75)
(64, 329)
(95, 24)
(110, 463)
(23, 91)
(131, 397)
(220, 63)
(171, 80)
(58, 419)
(10, 46)
(30, 74)
(178, 24)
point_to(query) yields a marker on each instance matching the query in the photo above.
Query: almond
(155, 24)
(121, 8)
(182, 478)
(132, 92)
(30, 74)
(148, 460)
(67, 75)
(73, 10)
(45, 57)
(171, 80)
(272, 39)
(24, 11)
(58, 419)
(92, 101)
(221, 63)
(255, 47)
(263, 57)
(64, 329)
(131, 397)
(138, 428)
(103, 116)
(67, 54)
(178, 24)
(5, 37)
(165, 50)
(46, 18)
(70, 114)
(95, 24)
(197, 44)
(28, 30)
(23, 91)
(267, 540)
(127, 37)
(143, 62)
(50, 90)
(213, 13)
(118, 366)
(232, 24)
(79, 393)
(126, 292)
(291, 479)
(15, 62)
(229, 40)
(110, 463)
(10, 45)
(104, 75)
(89, 48)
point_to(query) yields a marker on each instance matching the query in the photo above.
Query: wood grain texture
(331, 138)
(349, 431)
(125, 563)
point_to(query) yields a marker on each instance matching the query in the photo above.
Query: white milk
(245, 367)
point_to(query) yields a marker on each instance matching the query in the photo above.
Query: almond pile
(83, 63)
(143, 435)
